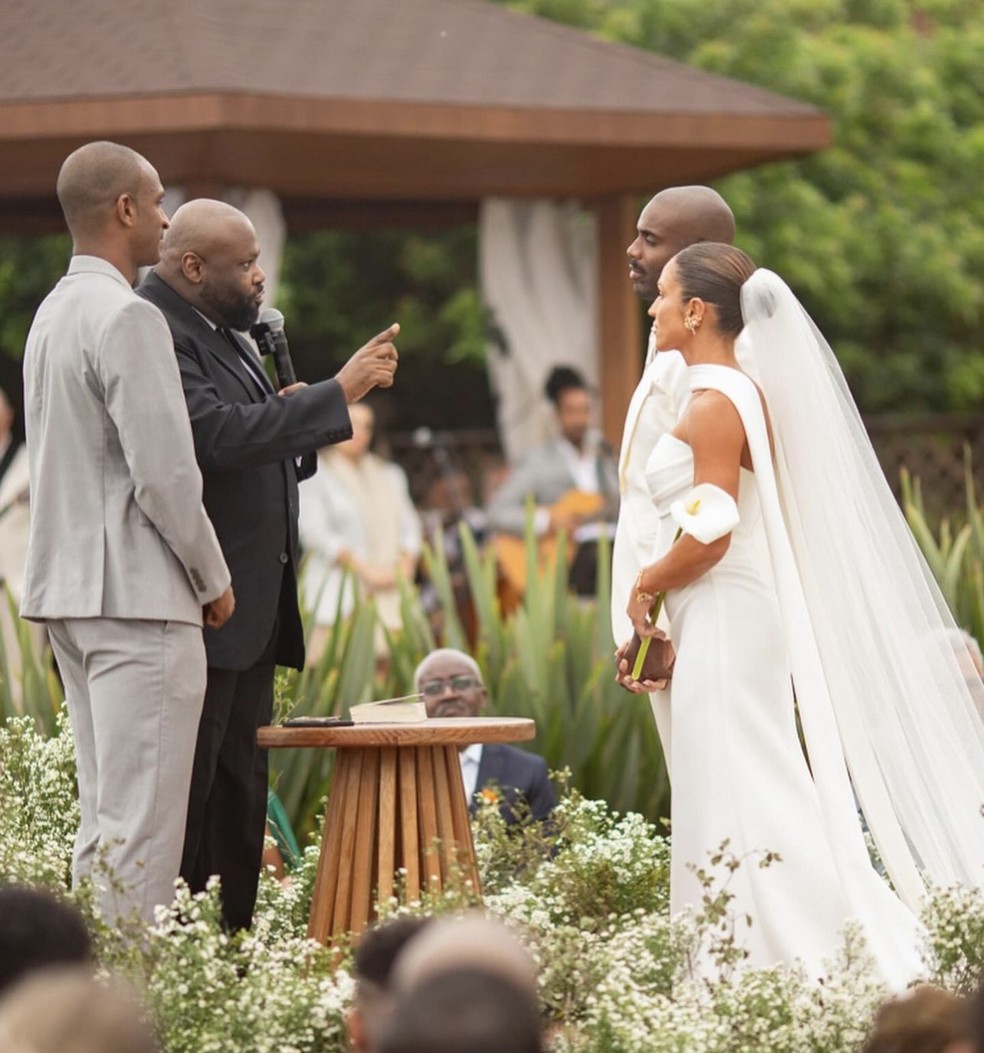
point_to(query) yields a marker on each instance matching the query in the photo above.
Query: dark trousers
(228, 801)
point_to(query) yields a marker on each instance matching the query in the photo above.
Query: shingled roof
(437, 100)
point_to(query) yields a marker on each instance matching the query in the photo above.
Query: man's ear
(191, 267)
(126, 210)
(485, 698)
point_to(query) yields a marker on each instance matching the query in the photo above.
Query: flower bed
(592, 905)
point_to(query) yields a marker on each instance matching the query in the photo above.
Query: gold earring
(691, 323)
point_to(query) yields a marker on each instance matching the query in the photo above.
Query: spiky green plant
(954, 550)
(28, 683)
(552, 660)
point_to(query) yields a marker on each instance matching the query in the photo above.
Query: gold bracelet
(647, 598)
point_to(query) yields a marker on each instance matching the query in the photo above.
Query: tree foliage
(342, 287)
(28, 269)
(882, 234)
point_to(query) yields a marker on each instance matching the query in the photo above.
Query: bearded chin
(242, 315)
(236, 313)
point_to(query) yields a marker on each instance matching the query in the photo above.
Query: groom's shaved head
(674, 219)
(695, 213)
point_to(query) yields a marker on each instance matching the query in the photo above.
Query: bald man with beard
(672, 220)
(122, 560)
(254, 444)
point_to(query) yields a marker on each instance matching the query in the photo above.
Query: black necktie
(253, 369)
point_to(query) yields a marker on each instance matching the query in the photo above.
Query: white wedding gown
(739, 773)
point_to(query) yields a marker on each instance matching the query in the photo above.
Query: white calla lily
(706, 513)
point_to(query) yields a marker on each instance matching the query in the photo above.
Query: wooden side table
(396, 801)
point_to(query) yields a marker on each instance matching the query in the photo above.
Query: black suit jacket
(517, 773)
(246, 442)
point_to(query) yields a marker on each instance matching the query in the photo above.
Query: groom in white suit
(672, 220)
(122, 560)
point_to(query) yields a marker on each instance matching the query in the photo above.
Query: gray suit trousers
(134, 690)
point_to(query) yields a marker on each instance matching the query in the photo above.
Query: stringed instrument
(510, 551)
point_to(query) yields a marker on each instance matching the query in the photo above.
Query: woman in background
(359, 530)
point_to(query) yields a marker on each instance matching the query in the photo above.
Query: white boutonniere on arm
(706, 513)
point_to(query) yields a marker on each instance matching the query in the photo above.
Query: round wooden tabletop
(437, 731)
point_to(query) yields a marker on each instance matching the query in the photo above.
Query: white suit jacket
(656, 405)
(117, 524)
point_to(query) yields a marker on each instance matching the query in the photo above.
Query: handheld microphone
(272, 340)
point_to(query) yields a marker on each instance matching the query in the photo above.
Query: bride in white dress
(817, 586)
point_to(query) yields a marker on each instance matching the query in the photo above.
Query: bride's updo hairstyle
(714, 272)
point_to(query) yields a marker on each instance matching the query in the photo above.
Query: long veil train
(871, 638)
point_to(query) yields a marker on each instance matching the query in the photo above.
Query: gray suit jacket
(117, 524)
(545, 475)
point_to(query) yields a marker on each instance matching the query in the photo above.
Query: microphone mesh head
(271, 317)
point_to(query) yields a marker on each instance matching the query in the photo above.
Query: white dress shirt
(469, 759)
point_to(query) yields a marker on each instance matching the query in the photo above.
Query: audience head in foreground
(375, 957)
(464, 1010)
(926, 1019)
(469, 941)
(66, 1010)
(36, 930)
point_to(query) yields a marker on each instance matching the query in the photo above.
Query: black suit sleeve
(307, 466)
(230, 435)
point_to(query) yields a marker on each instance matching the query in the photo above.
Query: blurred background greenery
(881, 235)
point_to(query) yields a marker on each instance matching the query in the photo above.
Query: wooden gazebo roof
(338, 103)
(385, 112)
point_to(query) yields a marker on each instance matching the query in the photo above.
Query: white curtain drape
(538, 273)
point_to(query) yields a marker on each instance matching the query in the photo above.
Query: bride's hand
(623, 674)
(638, 613)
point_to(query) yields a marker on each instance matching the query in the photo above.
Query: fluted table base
(397, 822)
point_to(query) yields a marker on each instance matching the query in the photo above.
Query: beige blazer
(117, 524)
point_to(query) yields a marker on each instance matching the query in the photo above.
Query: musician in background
(573, 481)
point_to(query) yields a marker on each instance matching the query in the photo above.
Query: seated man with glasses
(451, 685)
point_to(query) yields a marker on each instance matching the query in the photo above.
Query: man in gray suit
(122, 559)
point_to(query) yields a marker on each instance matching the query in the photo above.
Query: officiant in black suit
(253, 446)
(452, 686)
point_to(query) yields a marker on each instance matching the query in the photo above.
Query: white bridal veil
(871, 639)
